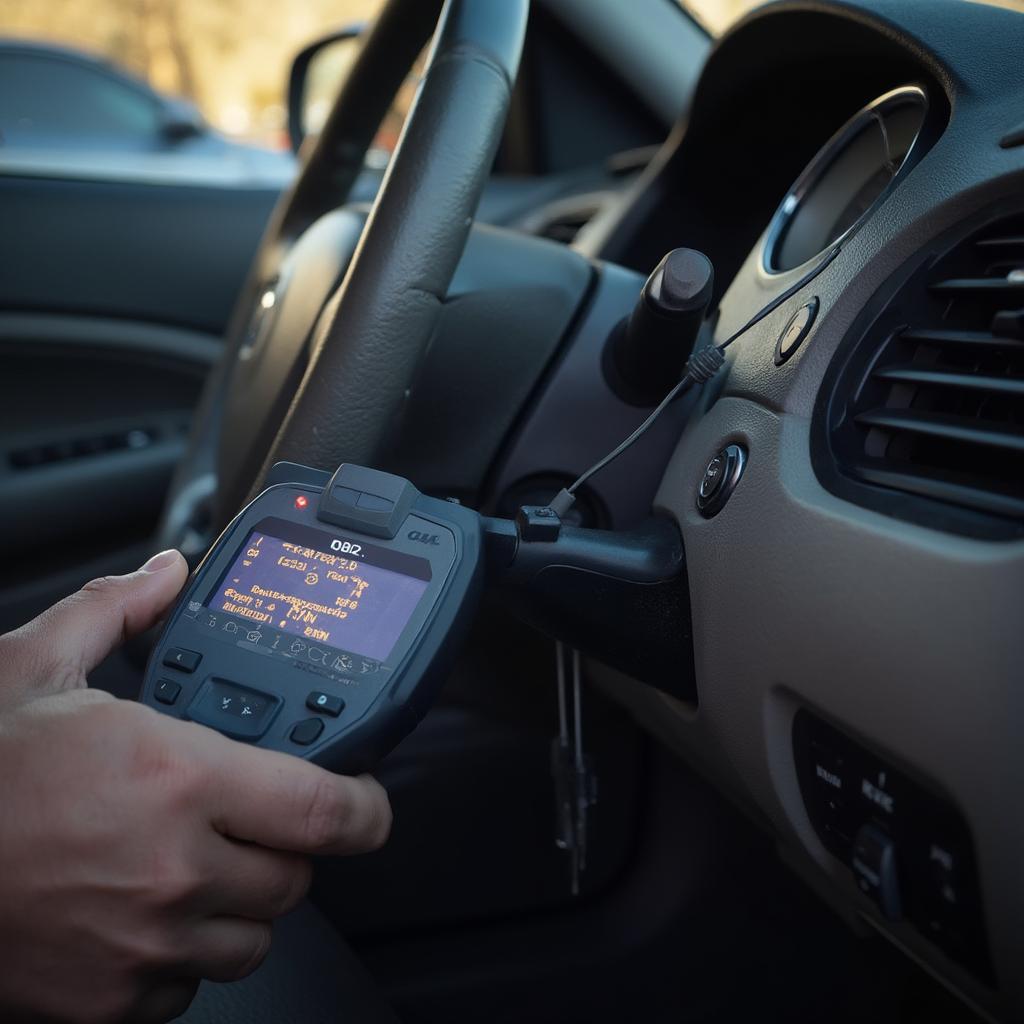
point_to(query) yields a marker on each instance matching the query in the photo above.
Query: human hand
(138, 853)
(56, 651)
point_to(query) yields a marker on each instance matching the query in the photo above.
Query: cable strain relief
(703, 365)
(562, 502)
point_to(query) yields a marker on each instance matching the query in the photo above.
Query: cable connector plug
(538, 523)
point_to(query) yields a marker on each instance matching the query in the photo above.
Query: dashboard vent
(927, 417)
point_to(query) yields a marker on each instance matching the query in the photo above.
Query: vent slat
(947, 428)
(930, 406)
(950, 379)
(1004, 242)
(991, 287)
(943, 490)
(979, 338)
(1009, 323)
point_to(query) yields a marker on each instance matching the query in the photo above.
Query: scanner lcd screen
(343, 599)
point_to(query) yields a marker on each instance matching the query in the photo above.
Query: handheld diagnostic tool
(324, 619)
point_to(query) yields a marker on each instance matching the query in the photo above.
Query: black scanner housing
(380, 707)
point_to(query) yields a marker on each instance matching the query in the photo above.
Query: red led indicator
(301, 501)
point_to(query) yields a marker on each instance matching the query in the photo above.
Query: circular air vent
(926, 418)
(847, 178)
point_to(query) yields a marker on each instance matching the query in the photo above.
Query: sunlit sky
(230, 57)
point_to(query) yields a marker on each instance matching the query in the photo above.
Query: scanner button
(325, 703)
(234, 710)
(374, 503)
(305, 732)
(185, 661)
(166, 691)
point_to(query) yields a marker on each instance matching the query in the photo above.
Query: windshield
(227, 58)
(717, 15)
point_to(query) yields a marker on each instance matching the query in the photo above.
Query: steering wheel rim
(362, 356)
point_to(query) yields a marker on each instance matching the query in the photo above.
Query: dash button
(795, 331)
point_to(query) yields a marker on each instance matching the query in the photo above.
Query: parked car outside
(66, 111)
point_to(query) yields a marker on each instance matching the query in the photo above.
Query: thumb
(56, 650)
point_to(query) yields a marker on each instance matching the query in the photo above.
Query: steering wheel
(335, 316)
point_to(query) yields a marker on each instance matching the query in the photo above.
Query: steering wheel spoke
(324, 344)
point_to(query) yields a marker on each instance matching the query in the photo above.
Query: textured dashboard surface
(907, 638)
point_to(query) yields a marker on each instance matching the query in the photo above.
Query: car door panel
(114, 296)
(167, 254)
(94, 415)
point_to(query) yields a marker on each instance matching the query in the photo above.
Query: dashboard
(856, 603)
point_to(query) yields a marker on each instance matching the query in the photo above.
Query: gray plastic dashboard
(907, 639)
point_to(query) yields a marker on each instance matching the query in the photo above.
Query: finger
(226, 948)
(57, 649)
(166, 1002)
(250, 881)
(280, 801)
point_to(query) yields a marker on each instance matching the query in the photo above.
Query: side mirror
(316, 76)
(180, 120)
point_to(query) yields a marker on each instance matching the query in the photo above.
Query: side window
(50, 102)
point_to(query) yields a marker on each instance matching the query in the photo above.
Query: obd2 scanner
(324, 619)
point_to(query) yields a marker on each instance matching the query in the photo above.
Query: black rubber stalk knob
(647, 353)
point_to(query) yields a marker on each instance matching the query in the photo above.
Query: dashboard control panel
(909, 849)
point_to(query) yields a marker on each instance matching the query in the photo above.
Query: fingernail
(161, 561)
